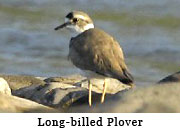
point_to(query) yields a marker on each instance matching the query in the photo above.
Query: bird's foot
(104, 91)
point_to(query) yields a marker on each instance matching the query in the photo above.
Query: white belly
(97, 81)
(91, 75)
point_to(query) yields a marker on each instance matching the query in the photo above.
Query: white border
(18, 124)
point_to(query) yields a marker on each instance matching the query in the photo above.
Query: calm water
(148, 31)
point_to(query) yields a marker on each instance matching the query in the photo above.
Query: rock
(19, 81)
(4, 87)
(64, 98)
(63, 92)
(16, 104)
(171, 78)
(72, 79)
(155, 99)
(44, 94)
(113, 85)
(52, 94)
(71, 95)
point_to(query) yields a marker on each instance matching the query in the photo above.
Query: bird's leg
(104, 90)
(90, 92)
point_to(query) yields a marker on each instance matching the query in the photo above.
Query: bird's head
(77, 21)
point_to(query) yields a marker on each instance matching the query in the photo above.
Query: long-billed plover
(94, 50)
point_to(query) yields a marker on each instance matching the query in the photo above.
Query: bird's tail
(128, 78)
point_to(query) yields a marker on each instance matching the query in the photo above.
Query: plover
(95, 51)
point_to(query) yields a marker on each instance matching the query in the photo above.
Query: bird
(95, 51)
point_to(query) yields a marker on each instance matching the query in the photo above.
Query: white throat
(76, 30)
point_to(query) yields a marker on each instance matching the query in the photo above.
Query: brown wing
(97, 51)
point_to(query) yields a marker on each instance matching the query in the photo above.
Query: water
(148, 32)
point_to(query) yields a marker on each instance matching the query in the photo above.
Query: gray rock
(63, 92)
(4, 87)
(16, 104)
(113, 85)
(171, 78)
(49, 94)
(53, 94)
(72, 79)
(64, 98)
(19, 81)
(71, 94)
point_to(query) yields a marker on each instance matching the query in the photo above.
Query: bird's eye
(75, 20)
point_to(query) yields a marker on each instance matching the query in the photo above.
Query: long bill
(62, 26)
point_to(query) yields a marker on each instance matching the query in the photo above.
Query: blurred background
(148, 32)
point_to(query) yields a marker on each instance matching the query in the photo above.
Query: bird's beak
(62, 26)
